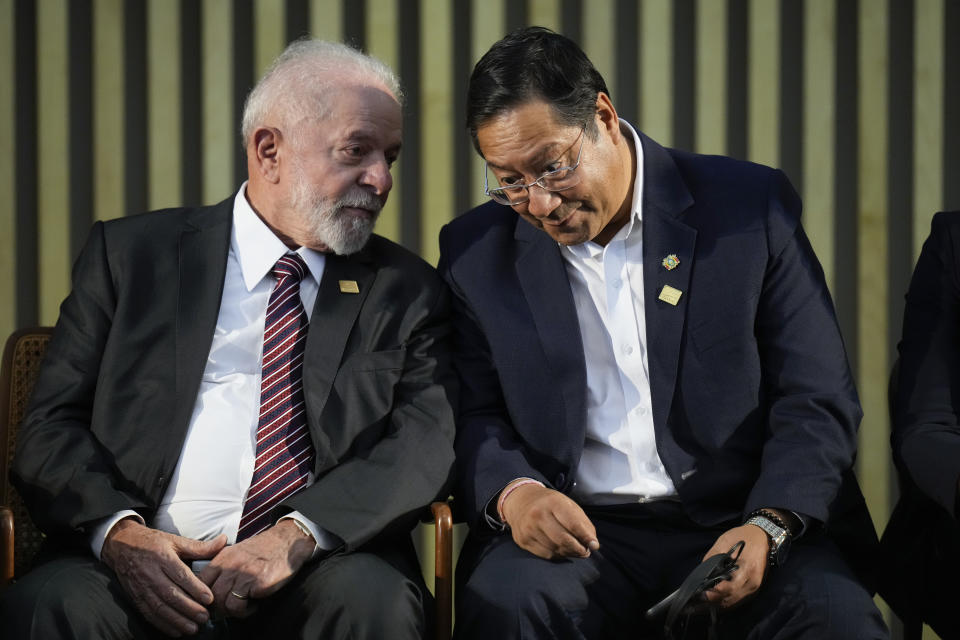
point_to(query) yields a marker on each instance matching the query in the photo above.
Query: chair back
(18, 372)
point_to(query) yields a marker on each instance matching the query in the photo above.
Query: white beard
(328, 225)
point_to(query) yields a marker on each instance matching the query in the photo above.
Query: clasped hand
(152, 567)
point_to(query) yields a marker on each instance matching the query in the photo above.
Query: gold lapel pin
(671, 262)
(670, 295)
(349, 286)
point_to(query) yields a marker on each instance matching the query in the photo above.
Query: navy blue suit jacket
(926, 434)
(753, 401)
(921, 543)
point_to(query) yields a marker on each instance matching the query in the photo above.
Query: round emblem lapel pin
(671, 262)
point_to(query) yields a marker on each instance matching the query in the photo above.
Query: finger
(234, 605)
(186, 593)
(263, 590)
(178, 606)
(578, 525)
(564, 544)
(165, 618)
(190, 549)
(532, 545)
(209, 574)
(555, 540)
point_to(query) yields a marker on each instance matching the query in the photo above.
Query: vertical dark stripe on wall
(242, 78)
(737, 78)
(191, 104)
(516, 14)
(951, 105)
(410, 200)
(25, 150)
(354, 23)
(900, 162)
(847, 164)
(462, 66)
(624, 86)
(791, 90)
(684, 60)
(80, 72)
(135, 106)
(298, 19)
(571, 19)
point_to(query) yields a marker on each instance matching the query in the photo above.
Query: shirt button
(617, 283)
(627, 349)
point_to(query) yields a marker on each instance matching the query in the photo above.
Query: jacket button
(561, 478)
(160, 481)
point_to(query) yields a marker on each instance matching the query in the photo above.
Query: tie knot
(290, 266)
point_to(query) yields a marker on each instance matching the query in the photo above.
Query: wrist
(778, 534)
(783, 518)
(106, 552)
(508, 491)
(301, 541)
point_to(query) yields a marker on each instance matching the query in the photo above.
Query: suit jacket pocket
(362, 397)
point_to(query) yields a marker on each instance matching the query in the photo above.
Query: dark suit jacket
(753, 401)
(115, 394)
(926, 428)
(921, 543)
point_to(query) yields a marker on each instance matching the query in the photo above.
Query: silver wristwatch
(779, 538)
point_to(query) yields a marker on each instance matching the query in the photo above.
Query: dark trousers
(645, 553)
(359, 595)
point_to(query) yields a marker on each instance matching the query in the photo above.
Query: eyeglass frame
(538, 182)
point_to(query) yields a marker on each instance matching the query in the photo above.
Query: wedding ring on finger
(238, 596)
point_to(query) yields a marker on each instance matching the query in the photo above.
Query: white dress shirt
(206, 493)
(620, 462)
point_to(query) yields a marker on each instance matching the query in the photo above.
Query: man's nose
(542, 202)
(377, 175)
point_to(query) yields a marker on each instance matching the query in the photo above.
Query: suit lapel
(204, 244)
(334, 314)
(543, 278)
(665, 198)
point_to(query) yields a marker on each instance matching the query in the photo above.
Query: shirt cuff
(99, 534)
(325, 541)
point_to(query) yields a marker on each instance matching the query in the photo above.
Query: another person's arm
(926, 429)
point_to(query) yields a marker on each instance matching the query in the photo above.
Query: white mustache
(360, 200)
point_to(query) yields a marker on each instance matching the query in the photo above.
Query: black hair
(534, 63)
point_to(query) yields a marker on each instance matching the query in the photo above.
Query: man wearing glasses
(651, 372)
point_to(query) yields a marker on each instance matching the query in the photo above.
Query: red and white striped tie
(284, 450)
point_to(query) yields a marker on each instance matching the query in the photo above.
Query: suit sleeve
(926, 432)
(490, 454)
(63, 474)
(813, 412)
(383, 487)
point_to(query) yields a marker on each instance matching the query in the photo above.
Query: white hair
(296, 84)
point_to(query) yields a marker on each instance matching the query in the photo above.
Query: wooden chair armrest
(6, 546)
(443, 562)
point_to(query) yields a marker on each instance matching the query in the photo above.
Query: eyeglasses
(556, 180)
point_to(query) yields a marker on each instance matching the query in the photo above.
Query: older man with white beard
(229, 426)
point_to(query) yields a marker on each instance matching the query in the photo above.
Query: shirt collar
(257, 248)
(591, 249)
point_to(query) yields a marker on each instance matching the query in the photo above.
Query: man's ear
(266, 152)
(606, 115)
